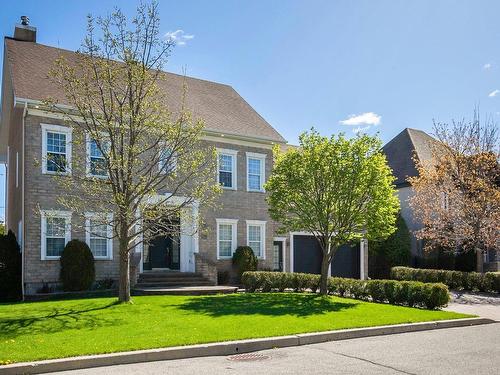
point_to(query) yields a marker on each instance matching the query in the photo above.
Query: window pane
(225, 249)
(166, 156)
(99, 247)
(225, 163)
(225, 232)
(254, 182)
(254, 166)
(226, 179)
(56, 142)
(56, 162)
(56, 227)
(255, 247)
(97, 161)
(254, 233)
(55, 246)
(98, 229)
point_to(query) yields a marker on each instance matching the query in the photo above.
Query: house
(243, 139)
(402, 152)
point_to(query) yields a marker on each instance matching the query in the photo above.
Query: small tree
(457, 193)
(393, 251)
(10, 268)
(115, 99)
(338, 189)
(244, 260)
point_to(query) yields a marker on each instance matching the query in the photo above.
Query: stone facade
(41, 193)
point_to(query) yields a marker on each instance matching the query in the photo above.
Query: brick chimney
(24, 31)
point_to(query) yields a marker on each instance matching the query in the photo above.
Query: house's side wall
(15, 171)
(41, 193)
(404, 194)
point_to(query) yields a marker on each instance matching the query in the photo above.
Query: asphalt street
(469, 350)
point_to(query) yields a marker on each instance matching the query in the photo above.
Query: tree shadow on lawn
(276, 304)
(53, 320)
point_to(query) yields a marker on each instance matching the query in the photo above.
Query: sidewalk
(481, 304)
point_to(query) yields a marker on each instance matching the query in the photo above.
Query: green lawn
(42, 330)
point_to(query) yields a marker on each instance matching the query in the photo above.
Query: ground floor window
(99, 233)
(56, 232)
(226, 237)
(256, 236)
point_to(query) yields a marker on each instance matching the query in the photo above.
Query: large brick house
(243, 139)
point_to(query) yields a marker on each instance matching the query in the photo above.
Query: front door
(164, 250)
(278, 255)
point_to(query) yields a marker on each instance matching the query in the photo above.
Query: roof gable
(220, 106)
(401, 150)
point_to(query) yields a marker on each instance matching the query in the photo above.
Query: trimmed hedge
(409, 293)
(483, 282)
(10, 268)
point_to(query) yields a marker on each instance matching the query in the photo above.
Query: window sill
(50, 258)
(255, 191)
(228, 188)
(56, 173)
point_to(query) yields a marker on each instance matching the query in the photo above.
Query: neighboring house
(244, 141)
(401, 153)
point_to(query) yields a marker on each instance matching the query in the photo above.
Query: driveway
(469, 350)
(481, 304)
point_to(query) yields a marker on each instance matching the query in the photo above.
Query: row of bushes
(474, 281)
(409, 293)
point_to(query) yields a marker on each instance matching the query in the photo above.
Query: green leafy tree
(115, 99)
(393, 251)
(338, 189)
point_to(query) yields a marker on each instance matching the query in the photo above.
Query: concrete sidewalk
(480, 304)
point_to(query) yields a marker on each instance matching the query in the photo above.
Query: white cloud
(361, 129)
(178, 37)
(487, 66)
(494, 93)
(367, 118)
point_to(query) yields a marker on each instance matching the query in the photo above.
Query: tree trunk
(124, 285)
(323, 285)
(479, 261)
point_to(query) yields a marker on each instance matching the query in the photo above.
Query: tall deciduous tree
(116, 108)
(338, 189)
(457, 192)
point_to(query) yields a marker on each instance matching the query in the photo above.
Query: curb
(227, 348)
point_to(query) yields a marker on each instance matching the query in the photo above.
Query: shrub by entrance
(409, 293)
(77, 266)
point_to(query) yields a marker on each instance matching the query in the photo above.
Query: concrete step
(195, 290)
(168, 274)
(173, 284)
(169, 279)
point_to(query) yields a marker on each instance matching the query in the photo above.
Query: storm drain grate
(246, 357)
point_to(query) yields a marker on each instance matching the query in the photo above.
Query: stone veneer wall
(41, 192)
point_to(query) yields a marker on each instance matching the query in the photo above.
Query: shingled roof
(402, 148)
(219, 105)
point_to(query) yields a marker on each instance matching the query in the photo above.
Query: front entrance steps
(176, 283)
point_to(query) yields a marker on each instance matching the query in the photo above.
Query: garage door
(307, 257)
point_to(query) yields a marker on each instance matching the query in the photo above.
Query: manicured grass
(42, 330)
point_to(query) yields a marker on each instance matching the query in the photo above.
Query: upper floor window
(96, 161)
(256, 166)
(256, 237)
(99, 232)
(227, 168)
(56, 232)
(56, 149)
(226, 237)
(167, 161)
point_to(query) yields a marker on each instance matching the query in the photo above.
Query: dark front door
(278, 255)
(164, 248)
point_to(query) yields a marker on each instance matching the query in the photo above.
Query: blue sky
(335, 65)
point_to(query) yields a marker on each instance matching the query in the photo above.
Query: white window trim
(234, 155)
(262, 158)
(234, 224)
(88, 158)
(109, 240)
(67, 233)
(262, 225)
(56, 129)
